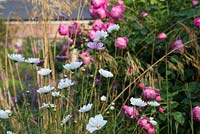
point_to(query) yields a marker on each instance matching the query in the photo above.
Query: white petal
(105, 73)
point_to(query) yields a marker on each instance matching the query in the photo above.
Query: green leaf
(178, 116)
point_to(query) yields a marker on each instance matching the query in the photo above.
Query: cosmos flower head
(131, 112)
(32, 60)
(112, 28)
(47, 105)
(45, 89)
(64, 83)
(66, 119)
(16, 57)
(9, 132)
(95, 123)
(153, 103)
(100, 36)
(96, 45)
(56, 94)
(85, 108)
(73, 65)
(44, 71)
(152, 121)
(4, 114)
(105, 73)
(137, 102)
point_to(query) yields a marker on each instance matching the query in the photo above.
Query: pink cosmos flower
(63, 29)
(121, 42)
(149, 128)
(92, 34)
(162, 36)
(195, 2)
(130, 111)
(98, 3)
(149, 93)
(143, 14)
(110, 23)
(196, 113)
(197, 22)
(98, 25)
(178, 46)
(116, 12)
(86, 57)
(98, 12)
(74, 29)
(142, 121)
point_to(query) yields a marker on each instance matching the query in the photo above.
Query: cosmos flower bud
(178, 46)
(142, 121)
(161, 110)
(158, 98)
(74, 29)
(143, 14)
(197, 22)
(162, 36)
(196, 113)
(141, 85)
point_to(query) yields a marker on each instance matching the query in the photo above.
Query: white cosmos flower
(47, 105)
(95, 123)
(103, 98)
(153, 103)
(16, 57)
(152, 121)
(114, 27)
(4, 114)
(45, 89)
(100, 36)
(66, 119)
(56, 94)
(44, 71)
(65, 83)
(9, 132)
(85, 108)
(73, 65)
(105, 73)
(138, 102)
(32, 60)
